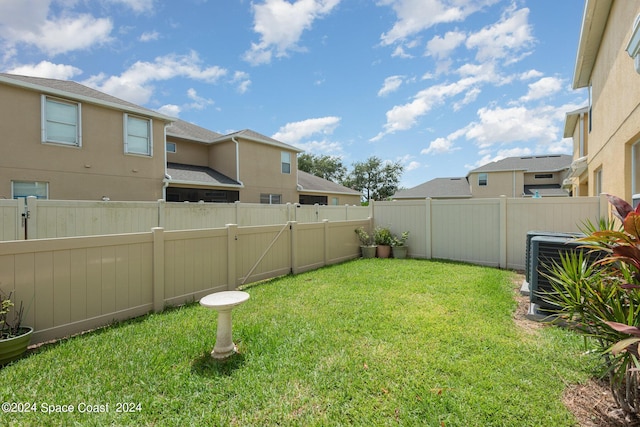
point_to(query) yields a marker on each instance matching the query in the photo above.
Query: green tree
(377, 180)
(324, 166)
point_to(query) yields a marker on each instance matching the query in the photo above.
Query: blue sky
(442, 86)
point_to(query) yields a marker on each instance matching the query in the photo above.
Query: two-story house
(607, 66)
(63, 140)
(527, 176)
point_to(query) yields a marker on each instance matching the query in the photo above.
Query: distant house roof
(186, 130)
(78, 92)
(198, 175)
(313, 184)
(437, 188)
(257, 137)
(549, 190)
(549, 163)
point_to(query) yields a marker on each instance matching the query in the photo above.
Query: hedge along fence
(69, 285)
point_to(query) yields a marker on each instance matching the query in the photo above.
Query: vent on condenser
(526, 287)
(545, 250)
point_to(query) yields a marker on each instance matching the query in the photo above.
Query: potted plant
(14, 338)
(383, 238)
(399, 245)
(367, 246)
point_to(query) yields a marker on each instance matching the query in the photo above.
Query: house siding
(98, 168)
(615, 102)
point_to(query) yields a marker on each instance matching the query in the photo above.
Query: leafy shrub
(601, 298)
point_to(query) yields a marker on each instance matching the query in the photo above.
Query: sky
(440, 86)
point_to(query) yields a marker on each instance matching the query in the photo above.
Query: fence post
(158, 268)
(604, 207)
(232, 238)
(161, 212)
(31, 218)
(294, 246)
(428, 232)
(502, 263)
(325, 223)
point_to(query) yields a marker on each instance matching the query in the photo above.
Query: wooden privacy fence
(69, 285)
(484, 231)
(31, 218)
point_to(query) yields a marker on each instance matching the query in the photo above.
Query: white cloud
(134, 84)
(29, 22)
(391, 84)
(138, 6)
(543, 88)
(170, 110)
(324, 146)
(242, 80)
(440, 146)
(292, 133)
(530, 74)
(509, 35)
(47, 69)
(414, 16)
(149, 36)
(441, 47)
(281, 24)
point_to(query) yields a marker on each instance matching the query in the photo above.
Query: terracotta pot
(383, 251)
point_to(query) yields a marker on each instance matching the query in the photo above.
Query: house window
(270, 199)
(635, 168)
(334, 201)
(29, 188)
(285, 160)
(581, 152)
(482, 179)
(61, 122)
(137, 136)
(590, 105)
(171, 147)
(597, 180)
(543, 176)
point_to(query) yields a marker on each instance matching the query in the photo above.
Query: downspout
(167, 177)
(233, 138)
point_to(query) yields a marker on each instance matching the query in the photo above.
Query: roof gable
(76, 91)
(455, 187)
(259, 138)
(548, 163)
(311, 183)
(185, 130)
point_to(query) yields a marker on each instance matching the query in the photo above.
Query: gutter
(233, 138)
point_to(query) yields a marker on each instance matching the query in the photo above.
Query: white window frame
(127, 150)
(273, 199)
(36, 185)
(597, 181)
(174, 149)
(480, 180)
(48, 139)
(285, 160)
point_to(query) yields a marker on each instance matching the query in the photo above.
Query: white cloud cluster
(493, 47)
(135, 84)
(281, 23)
(304, 135)
(47, 69)
(391, 84)
(414, 16)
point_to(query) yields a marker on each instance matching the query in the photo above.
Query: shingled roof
(186, 130)
(311, 183)
(199, 175)
(437, 188)
(548, 163)
(76, 91)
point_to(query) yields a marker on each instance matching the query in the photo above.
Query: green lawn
(369, 342)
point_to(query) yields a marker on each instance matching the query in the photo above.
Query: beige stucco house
(605, 67)
(63, 140)
(526, 176)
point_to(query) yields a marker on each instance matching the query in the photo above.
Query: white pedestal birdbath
(223, 303)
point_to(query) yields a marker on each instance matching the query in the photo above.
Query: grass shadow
(208, 367)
